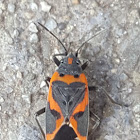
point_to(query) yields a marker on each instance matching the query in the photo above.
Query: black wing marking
(51, 117)
(65, 133)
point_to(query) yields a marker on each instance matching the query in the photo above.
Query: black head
(70, 65)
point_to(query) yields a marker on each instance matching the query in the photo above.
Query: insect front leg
(56, 61)
(47, 80)
(84, 65)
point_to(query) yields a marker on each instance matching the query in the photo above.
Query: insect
(67, 111)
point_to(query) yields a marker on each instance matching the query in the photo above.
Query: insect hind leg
(38, 113)
(96, 120)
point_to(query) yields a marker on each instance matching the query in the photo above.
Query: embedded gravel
(26, 51)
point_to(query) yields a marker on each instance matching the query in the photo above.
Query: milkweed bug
(67, 110)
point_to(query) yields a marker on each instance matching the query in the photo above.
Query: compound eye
(61, 74)
(78, 62)
(76, 76)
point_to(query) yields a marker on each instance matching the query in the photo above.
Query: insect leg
(57, 62)
(90, 88)
(38, 113)
(84, 65)
(47, 80)
(113, 101)
(96, 120)
(106, 93)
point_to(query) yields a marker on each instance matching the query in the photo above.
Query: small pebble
(29, 15)
(45, 7)
(117, 60)
(94, 4)
(32, 28)
(119, 41)
(136, 78)
(2, 6)
(19, 75)
(113, 70)
(0, 108)
(51, 24)
(10, 40)
(107, 137)
(11, 8)
(114, 55)
(70, 28)
(4, 67)
(43, 83)
(9, 90)
(75, 2)
(136, 108)
(130, 90)
(12, 135)
(1, 100)
(123, 77)
(16, 33)
(112, 5)
(130, 84)
(34, 7)
(137, 23)
(96, 49)
(27, 114)
(125, 32)
(62, 25)
(34, 38)
(26, 98)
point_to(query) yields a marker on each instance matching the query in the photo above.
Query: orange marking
(74, 126)
(80, 107)
(70, 60)
(54, 105)
(69, 78)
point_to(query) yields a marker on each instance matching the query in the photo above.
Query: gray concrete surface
(26, 59)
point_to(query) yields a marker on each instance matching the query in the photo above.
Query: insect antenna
(66, 52)
(76, 54)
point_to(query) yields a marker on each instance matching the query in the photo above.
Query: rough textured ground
(26, 59)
